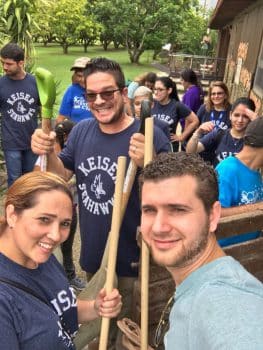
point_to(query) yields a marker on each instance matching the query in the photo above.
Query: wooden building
(240, 27)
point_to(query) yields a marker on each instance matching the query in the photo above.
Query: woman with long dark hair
(224, 143)
(168, 108)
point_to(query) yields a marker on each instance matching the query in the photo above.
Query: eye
(65, 224)
(44, 219)
(148, 210)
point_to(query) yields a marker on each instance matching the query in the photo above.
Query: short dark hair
(13, 52)
(189, 76)
(168, 165)
(102, 64)
(244, 101)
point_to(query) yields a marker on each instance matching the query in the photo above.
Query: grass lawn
(53, 59)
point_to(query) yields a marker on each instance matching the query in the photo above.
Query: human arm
(191, 123)
(241, 209)
(42, 143)
(104, 306)
(8, 332)
(194, 145)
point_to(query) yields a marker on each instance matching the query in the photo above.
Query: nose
(54, 233)
(161, 223)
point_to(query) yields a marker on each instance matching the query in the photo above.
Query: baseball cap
(80, 62)
(254, 133)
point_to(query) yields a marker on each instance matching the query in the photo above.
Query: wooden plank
(241, 223)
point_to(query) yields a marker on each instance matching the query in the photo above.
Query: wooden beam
(241, 223)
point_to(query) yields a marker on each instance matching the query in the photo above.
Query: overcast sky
(209, 3)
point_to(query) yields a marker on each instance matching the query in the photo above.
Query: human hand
(204, 128)
(251, 114)
(136, 149)
(108, 305)
(42, 143)
(175, 137)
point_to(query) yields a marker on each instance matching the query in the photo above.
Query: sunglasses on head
(105, 95)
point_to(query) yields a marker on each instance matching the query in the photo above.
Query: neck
(212, 252)
(19, 76)
(251, 157)
(219, 107)
(165, 101)
(237, 134)
(121, 124)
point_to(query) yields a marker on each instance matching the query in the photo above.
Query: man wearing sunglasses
(217, 304)
(91, 153)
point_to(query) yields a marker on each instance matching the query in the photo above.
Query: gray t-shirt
(218, 307)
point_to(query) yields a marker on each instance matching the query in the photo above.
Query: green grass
(53, 59)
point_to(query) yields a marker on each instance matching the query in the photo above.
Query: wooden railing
(211, 68)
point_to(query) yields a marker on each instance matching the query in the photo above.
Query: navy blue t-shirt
(170, 113)
(27, 323)
(222, 144)
(92, 156)
(19, 107)
(220, 119)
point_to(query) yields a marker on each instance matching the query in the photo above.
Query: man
(240, 181)
(19, 107)
(74, 105)
(218, 304)
(91, 152)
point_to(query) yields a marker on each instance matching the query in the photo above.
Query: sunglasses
(163, 324)
(105, 95)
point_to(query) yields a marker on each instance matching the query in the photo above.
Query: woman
(146, 79)
(224, 143)
(217, 106)
(194, 95)
(216, 109)
(38, 309)
(168, 108)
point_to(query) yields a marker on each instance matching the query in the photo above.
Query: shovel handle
(148, 155)
(113, 244)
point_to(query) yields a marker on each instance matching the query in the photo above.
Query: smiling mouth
(46, 246)
(163, 245)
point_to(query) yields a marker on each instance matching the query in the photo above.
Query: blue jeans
(18, 163)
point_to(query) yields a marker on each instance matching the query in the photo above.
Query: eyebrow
(167, 206)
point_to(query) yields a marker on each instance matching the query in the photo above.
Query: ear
(11, 215)
(21, 64)
(214, 216)
(124, 93)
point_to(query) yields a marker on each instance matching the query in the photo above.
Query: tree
(17, 16)
(64, 21)
(139, 24)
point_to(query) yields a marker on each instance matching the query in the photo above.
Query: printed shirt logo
(20, 109)
(79, 102)
(96, 189)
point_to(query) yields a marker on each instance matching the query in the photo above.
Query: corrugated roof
(226, 11)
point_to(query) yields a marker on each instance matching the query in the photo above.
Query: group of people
(178, 210)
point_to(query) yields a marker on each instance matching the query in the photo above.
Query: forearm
(193, 145)
(87, 311)
(241, 209)
(191, 123)
(55, 165)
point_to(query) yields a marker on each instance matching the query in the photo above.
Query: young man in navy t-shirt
(19, 107)
(91, 153)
